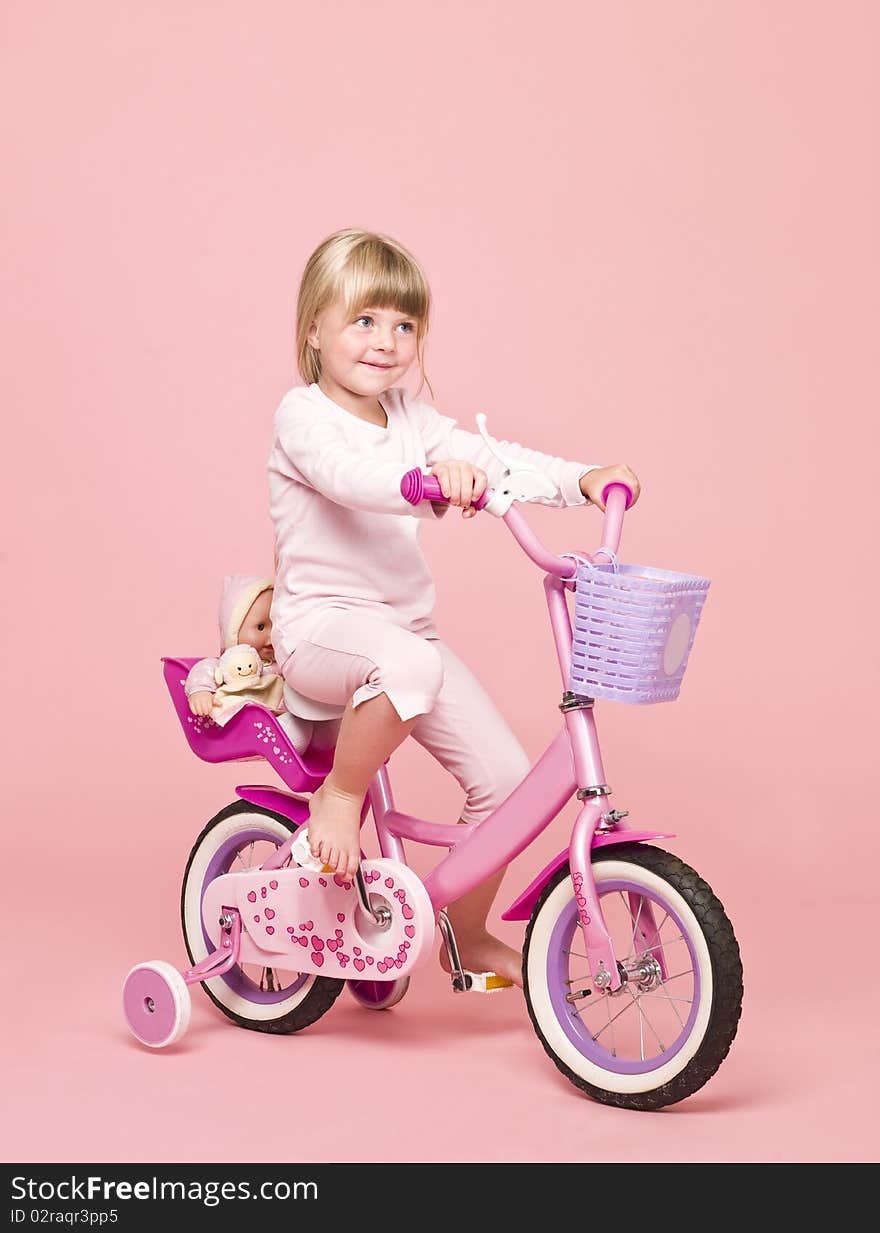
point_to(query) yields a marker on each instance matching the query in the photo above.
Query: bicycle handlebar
(416, 486)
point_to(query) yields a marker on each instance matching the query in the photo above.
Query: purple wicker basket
(633, 630)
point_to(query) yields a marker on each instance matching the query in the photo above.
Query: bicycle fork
(599, 947)
(598, 944)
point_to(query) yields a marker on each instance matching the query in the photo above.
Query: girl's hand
(461, 483)
(201, 702)
(594, 481)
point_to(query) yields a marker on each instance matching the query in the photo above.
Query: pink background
(651, 236)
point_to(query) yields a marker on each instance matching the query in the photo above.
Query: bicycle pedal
(480, 982)
(302, 854)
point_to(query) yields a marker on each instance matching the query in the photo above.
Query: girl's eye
(261, 627)
(406, 326)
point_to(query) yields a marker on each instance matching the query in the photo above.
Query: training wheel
(378, 994)
(156, 1003)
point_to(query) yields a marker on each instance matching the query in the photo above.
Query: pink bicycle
(631, 969)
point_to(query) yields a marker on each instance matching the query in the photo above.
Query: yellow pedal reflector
(486, 982)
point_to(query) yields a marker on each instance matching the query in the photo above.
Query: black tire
(726, 970)
(323, 990)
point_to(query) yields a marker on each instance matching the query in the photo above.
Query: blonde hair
(366, 270)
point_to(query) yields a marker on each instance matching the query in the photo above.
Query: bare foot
(486, 953)
(334, 829)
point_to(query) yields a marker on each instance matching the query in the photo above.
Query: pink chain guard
(303, 921)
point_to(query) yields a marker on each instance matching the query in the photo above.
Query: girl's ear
(312, 336)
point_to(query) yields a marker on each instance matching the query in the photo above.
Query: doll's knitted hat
(238, 593)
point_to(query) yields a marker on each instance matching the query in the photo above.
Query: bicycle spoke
(641, 1032)
(607, 1001)
(635, 923)
(625, 904)
(610, 1022)
(659, 927)
(250, 856)
(647, 1020)
(672, 1002)
(666, 942)
(689, 972)
(629, 953)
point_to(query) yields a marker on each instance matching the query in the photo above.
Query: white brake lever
(521, 481)
(508, 463)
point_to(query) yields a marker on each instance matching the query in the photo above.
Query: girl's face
(366, 352)
(256, 628)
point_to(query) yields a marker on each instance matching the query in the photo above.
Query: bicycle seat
(253, 733)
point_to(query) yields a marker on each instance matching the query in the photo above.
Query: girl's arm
(443, 439)
(319, 455)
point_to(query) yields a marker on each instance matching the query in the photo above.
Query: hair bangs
(379, 276)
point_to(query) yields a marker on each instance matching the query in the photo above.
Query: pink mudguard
(313, 922)
(521, 908)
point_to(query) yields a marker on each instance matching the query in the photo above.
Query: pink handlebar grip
(416, 486)
(617, 484)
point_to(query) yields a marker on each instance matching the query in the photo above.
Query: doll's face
(367, 351)
(256, 628)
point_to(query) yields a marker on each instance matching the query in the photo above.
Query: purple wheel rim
(573, 1025)
(237, 980)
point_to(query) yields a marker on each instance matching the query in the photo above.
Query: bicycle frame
(571, 763)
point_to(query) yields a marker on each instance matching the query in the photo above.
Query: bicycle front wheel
(664, 1033)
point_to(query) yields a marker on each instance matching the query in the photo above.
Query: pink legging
(355, 656)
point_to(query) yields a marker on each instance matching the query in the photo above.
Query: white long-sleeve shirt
(344, 535)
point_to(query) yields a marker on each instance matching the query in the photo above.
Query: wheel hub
(644, 972)
(647, 974)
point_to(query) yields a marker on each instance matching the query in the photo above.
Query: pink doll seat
(251, 734)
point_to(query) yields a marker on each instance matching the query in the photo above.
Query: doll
(244, 620)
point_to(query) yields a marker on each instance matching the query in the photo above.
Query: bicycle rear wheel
(261, 998)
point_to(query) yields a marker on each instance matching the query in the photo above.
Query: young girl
(353, 600)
